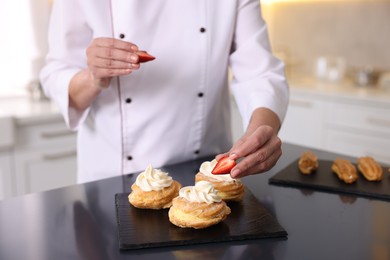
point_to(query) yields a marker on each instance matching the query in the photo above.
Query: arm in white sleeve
(258, 76)
(69, 35)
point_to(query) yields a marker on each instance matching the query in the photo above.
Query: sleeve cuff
(256, 93)
(58, 91)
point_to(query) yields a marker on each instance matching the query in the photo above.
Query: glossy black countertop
(79, 222)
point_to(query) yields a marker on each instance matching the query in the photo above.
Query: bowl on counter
(329, 68)
(365, 76)
(384, 81)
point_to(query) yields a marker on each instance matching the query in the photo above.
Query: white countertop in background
(345, 90)
(25, 111)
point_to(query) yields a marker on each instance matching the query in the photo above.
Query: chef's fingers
(99, 73)
(107, 57)
(259, 167)
(261, 160)
(228, 153)
(104, 52)
(219, 156)
(111, 64)
(252, 142)
(237, 143)
(248, 143)
(113, 43)
(111, 54)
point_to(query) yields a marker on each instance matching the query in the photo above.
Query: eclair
(370, 169)
(345, 170)
(308, 163)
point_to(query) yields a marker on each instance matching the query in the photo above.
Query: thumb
(221, 155)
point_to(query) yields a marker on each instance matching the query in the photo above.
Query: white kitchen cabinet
(37, 151)
(303, 123)
(6, 142)
(6, 183)
(358, 128)
(357, 145)
(45, 157)
(342, 123)
(359, 116)
(45, 169)
(7, 131)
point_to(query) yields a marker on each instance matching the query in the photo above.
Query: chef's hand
(106, 58)
(259, 148)
(109, 57)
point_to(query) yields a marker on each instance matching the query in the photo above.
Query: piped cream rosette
(198, 206)
(153, 189)
(203, 191)
(153, 179)
(228, 188)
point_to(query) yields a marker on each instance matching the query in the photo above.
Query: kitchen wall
(302, 30)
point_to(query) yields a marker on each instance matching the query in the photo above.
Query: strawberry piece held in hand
(224, 166)
(144, 56)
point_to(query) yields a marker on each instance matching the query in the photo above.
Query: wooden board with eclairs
(148, 228)
(362, 177)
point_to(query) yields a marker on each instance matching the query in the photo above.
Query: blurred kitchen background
(337, 59)
(354, 33)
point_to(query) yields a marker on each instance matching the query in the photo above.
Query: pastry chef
(172, 109)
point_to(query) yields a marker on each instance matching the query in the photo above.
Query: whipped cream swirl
(206, 168)
(153, 179)
(203, 191)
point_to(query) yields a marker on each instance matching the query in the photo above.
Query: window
(23, 43)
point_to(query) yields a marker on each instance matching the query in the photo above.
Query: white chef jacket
(175, 108)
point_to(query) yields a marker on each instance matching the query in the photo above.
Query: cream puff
(198, 207)
(228, 188)
(153, 189)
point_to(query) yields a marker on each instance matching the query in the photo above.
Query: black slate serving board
(325, 180)
(144, 228)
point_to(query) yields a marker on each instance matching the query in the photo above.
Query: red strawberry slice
(224, 166)
(144, 56)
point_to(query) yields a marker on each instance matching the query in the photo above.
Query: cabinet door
(358, 129)
(358, 145)
(236, 120)
(303, 124)
(359, 117)
(6, 183)
(45, 169)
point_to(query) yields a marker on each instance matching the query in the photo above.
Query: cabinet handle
(49, 135)
(378, 121)
(300, 103)
(57, 156)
